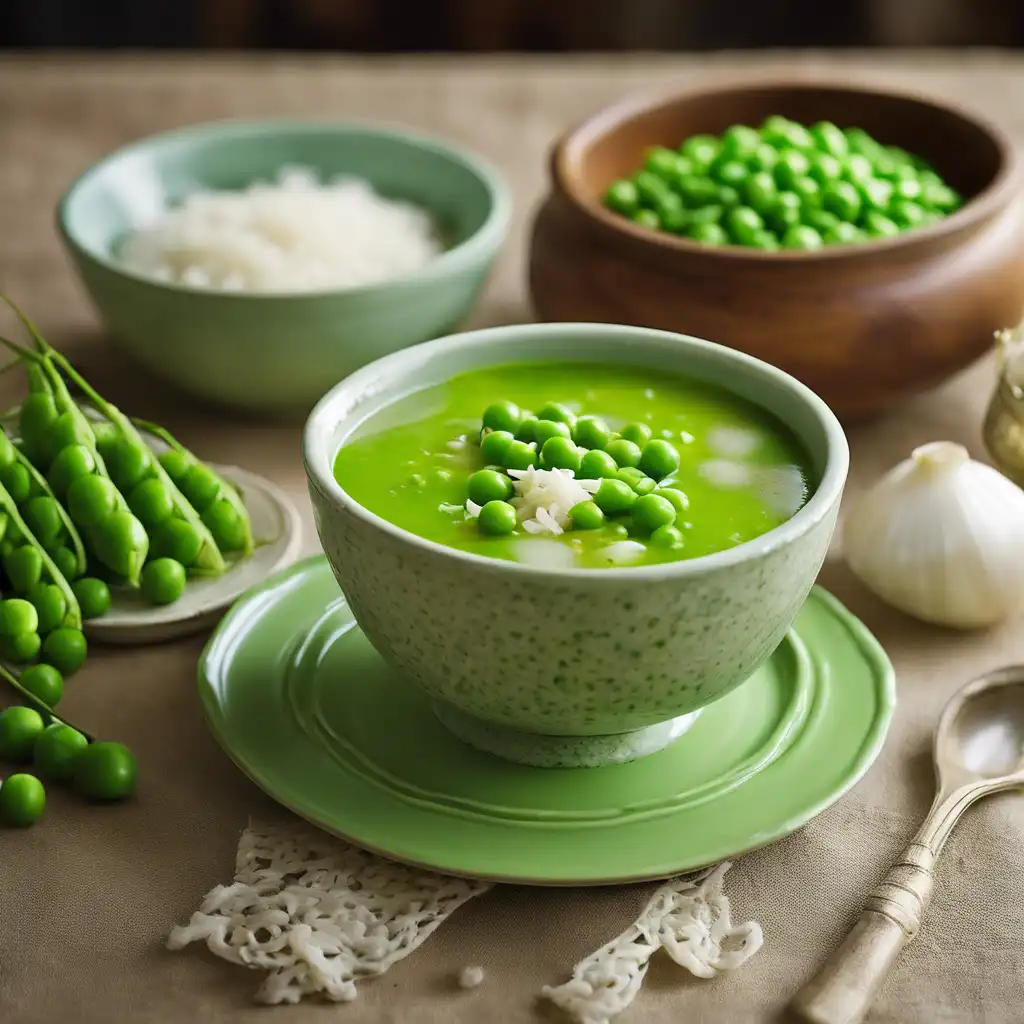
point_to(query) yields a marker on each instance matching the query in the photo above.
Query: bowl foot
(542, 751)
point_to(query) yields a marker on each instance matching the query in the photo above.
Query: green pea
(105, 771)
(743, 223)
(764, 158)
(57, 750)
(705, 215)
(597, 464)
(497, 518)
(16, 481)
(8, 453)
(859, 141)
(676, 498)
(494, 445)
(614, 496)
(177, 539)
(630, 474)
(560, 453)
(842, 199)
(697, 191)
(650, 188)
(50, 604)
(24, 568)
(789, 134)
(20, 727)
(708, 234)
(622, 197)
(651, 512)
(591, 432)
(908, 188)
(502, 416)
(151, 502)
(615, 531)
(792, 165)
(809, 192)
(20, 648)
(42, 516)
(556, 412)
(119, 541)
(876, 194)
(36, 420)
(906, 214)
(830, 138)
(858, 169)
(17, 616)
(66, 650)
(760, 192)
(163, 581)
(624, 452)
(668, 537)
(201, 487)
(129, 463)
(940, 197)
(786, 212)
(701, 149)
(69, 430)
(546, 429)
(638, 433)
(645, 485)
(730, 172)
(586, 515)
(175, 464)
(647, 219)
(93, 597)
(800, 236)
(740, 141)
(825, 169)
(843, 233)
(764, 240)
(880, 226)
(90, 500)
(527, 429)
(671, 212)
(519, 455)
(45, 683)
(226, 525)
(22, 800)
(728, 196)
(821, 220)
(70, 463)
(659, 459)
(488, 485)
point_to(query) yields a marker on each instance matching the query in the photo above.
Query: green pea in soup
(577, 465)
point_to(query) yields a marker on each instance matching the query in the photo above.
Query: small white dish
(277, 527)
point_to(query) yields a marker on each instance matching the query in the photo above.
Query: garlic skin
(941, 537)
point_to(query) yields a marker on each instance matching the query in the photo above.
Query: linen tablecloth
(88, 895)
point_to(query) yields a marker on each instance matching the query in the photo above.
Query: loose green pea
(792, 165)
(487, 485)
(57, 749)
(201, 487)
(645, 485)
(20, 727)
(226, 525)
(93, 597)
(119, 540)
(650, 187)
(597, 464)
(708, 234)
(66, 650)
(151, 502)
(858, 169)
(17, 616)
(764, 240)
(822, 220)
(638, 433)
(22, 800)
(519, 455)
(42, 516)
(800, 236)
(728, 196)
(659, 459)
(908, 188)
(876, 194)
(880, 226)
(50, 604)
(591, 432)
(70, 463)
(24, 568)
(701, 149)
(175, 464)
(740, 141)
(661, 161)
(614, 496)
(651, 512)
(177, 539)
(502, 416)
(705, 215)
(586, 515)
(697, 191)
(809, 192)
(497, 518)
(906, 214)
(560, 453)
(668, 537)
(730, 172)
(625, 453)
(556, 412)
(90, 500)
(622, 197)
(676, 498)
(105, 771)
(630, 474)
(163, 581)
(786, 212)
(764, 158)
(527, 429)
(494, 445)
(843, 233)
(45, 683)
(859, 141)
(760, 192)
(16, 481)
(647, 219)
(842, 199)
(546, 429)
(671, 212)
(830, 138)
(743, 223)
(825, 169)
(616, 531)
(20, 648)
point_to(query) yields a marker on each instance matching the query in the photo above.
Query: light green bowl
(276, 354)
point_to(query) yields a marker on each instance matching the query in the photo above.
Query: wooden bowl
(864, 325)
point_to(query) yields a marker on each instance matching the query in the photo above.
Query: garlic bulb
(941, 537)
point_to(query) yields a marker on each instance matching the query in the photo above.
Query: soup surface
(417, 462)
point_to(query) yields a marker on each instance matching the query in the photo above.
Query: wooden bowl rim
(564, 162)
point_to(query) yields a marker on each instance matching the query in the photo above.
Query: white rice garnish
(544, 496)
(733, 442)
(622, 552)
(541, 553)
(472, 509)
(726, 474)
(449, 509)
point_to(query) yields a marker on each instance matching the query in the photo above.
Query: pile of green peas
(783, 186)
(57, 752)
(633, 465)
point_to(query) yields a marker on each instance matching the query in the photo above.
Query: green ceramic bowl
(571, 666)
(274, 354)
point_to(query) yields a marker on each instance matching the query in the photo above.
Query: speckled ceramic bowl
(571, 666)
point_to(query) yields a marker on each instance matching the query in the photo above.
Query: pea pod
(28, 698)
(241, 527)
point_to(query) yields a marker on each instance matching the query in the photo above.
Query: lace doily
(688, 918)
(318, 914)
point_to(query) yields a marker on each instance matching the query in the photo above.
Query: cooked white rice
(297, 234)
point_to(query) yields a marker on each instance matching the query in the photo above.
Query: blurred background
(497, 25)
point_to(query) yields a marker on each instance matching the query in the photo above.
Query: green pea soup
(742, 470)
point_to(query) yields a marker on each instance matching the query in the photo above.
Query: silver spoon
(979, 749)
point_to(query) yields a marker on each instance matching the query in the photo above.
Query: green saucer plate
(304, 706)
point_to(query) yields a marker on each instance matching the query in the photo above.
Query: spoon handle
(843, 990)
